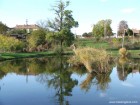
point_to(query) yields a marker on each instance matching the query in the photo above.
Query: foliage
(123, 52)
(8, 44)
(122, 27)
(3, 28)
(91, 56)
(129, 32)
(87, 34)
(18, 31)
(58, 51)
(36, 38)
(62, 23)
(102, 28)
(116, 42)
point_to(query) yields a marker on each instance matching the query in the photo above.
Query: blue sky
(86, 12)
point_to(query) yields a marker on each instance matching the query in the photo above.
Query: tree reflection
(53, 72)
(126, 66)
(101, 81)
(59, 78)
(57, 73)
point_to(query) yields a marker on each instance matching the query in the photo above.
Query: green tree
(18, 31)
(62, 23)
(3, 28)
(129, 32)
(8, 44)
(36, 38)
(87, 34)
(102, 28)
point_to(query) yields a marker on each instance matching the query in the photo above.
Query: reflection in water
(60, 79)
(100, 80)
(57, 73)
(125, 67)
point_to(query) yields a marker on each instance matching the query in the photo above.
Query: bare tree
(123, 26)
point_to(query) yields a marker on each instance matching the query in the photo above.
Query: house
(28, 28)
(136, 31)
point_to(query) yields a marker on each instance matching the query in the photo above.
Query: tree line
(56, 32)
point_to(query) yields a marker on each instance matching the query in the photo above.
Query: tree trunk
(61, 45)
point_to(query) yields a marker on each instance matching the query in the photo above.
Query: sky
(86, 12)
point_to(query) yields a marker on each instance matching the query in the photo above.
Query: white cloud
(127, 84)
(128, 10)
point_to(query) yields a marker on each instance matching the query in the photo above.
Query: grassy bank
(79, 43)
(8, 56)
(5, 56)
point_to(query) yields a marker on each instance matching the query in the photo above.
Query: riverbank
(9, 56)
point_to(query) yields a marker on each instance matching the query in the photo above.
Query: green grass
(91, 43)
(5, 56)
(78, 42)
(8, 56)
(104, 45)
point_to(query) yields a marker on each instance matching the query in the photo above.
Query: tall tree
(3, 28)
(122, 27)
(62, 23)
(102, 28)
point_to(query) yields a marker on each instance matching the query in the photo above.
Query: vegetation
(3, 28)
(55, 36)
(123, 52)
(123, 26)
(62, 24)
(102, 29)
(91, 56)
(36, 38)
(10, 44)
(87, 34)
(17, 31)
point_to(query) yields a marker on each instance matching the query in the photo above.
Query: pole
(123, 39)
(133, 36)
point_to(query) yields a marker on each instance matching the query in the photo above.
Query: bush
(90, 57)
(123, 52)
(116, 42)
(10, 44)
(136, 45)
(36, 38)
(58, 50)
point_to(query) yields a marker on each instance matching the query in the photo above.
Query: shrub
(123, 52)
(36, 38)
(116, 42)
(58, 50)
(10, 44)
(90, 57)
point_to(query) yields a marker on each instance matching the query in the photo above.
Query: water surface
(53, 81)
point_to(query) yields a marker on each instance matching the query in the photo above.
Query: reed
(91, 57)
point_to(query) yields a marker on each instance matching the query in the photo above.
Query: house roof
(136, 31)
(34, 26)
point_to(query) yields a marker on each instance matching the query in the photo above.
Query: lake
(53, 81)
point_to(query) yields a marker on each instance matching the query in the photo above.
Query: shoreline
(10, 56)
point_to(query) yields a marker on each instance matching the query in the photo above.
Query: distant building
(136, 31)
(28, 28)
